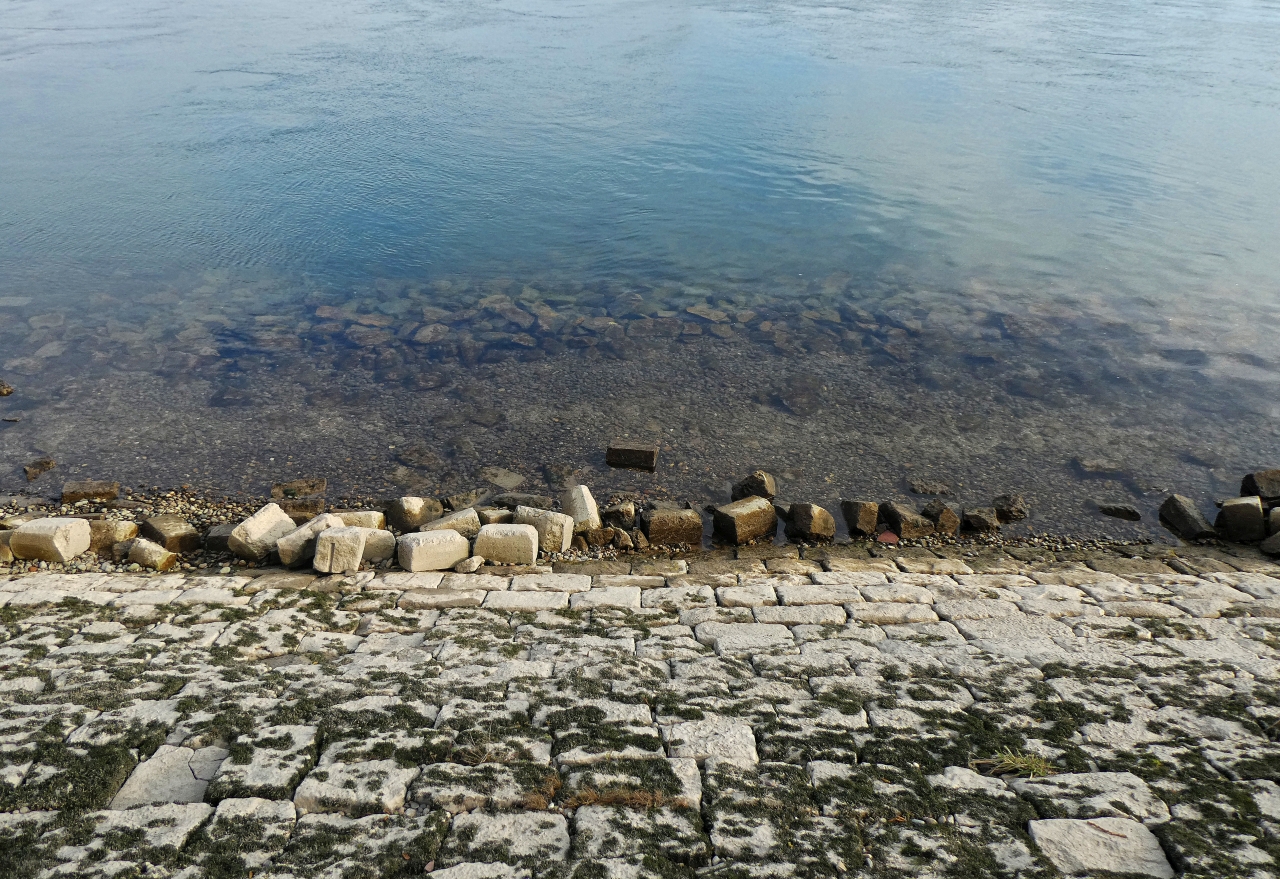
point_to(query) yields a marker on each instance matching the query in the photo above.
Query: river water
(1012, 246)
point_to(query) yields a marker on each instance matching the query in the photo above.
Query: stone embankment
(462, 693)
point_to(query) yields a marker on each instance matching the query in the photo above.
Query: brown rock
(1263, 483)
(173, 533)
(632, 455)
(904, 521)
(106, 533)
(90, 490)
(861, 517)
(745, 520)
(758, 484)
(1011, 507)
(945, 520)
(38, 468)
(301, 509)
(309, 486)
(981, 519)
(811, 523)
(5, 389)
(406, 514)
(674, 528)
(1240, 520)
(598, 536)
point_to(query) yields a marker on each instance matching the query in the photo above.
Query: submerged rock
(1011, 507)
(632, 455)
(1128, 512)
(981, 520)
(758, 484)
(810, 522)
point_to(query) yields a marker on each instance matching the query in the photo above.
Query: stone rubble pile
(760, 712)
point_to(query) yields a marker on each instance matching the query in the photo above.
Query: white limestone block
(1118, 845)
(555, 530)
(299, 545)
(363, 518)
(718, 737)
(550, 583)
(339, 550)
(379, 545)
(607, 596)
(55, 539)
(519, 601)
(432, 550)
(465, 522)
(508, 544)
(579, 505)
(151, 555)
(255, 537)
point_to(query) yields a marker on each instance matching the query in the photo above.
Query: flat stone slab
(1120, 845)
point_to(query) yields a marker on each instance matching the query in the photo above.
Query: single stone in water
(861, 517)
(1011, 507)
(981, 519)
(744, 520)
(5, 389)
(904, 521)
(90, 490)
(38, 468)
(513, 499)
(632, 455)
(925, 486)
(1181, 516)
(758, 484)
(308, 486)
(1128, 512)
(1240, 520)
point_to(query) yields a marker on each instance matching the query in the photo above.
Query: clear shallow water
(1070, 207)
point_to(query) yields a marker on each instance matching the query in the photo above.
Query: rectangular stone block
(339, 550)
(550, 583)
(745, 520)
(507, 544)
(580, 506)
(801, 615)
(555, 530)
(432, 550)
(90, 490)
(632, 455)
(55, 539)
(106, 533)
(255, 538)
(466, 522)
(299, 545)
(674, 528)
(608, 596)
(530, 601)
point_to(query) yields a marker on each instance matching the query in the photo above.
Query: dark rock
(406, 514)
(1240, 520)
(641, 542)
(465, 499)
(38, 468)
(1128, 512)
(309, 486)
(811, 523)
(172, 532)
(513, 499)
(981, 520)
(861, 517)
(579, 543)
(216, 538)
(745, 520)
(1181, 516)
(632, 456)
(301, 509)
(598, 536)
(621, 515)
(758, 484)
(904, 521)
(90, 490)
(945, 520)
(1271, 546)
(1273, 521)
(1263, 483)
(1011, 507)
(925, 486)
(674, 528)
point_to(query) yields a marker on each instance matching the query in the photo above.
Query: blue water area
(1124, 150)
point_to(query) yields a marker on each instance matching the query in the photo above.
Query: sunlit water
(988, 173)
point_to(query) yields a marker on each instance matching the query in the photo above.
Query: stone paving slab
(735, 718)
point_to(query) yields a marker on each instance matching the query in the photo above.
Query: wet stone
(1011, 507)
(172, 532)
(1241, 520)
(90, 490)
(758, 484)
(632, 455)
(1181, 516)
(810, 522)
(861, 517)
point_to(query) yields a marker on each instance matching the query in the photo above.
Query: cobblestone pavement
(822, 716)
